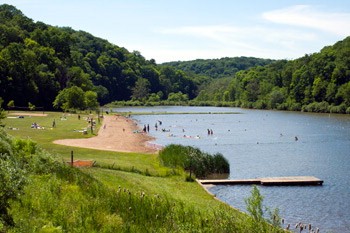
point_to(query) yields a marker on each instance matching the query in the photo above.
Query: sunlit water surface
(262, 144)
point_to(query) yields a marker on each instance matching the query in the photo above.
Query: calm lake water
(261, 143)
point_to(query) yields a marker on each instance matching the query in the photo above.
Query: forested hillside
(46, 66)
(319, 82)
(219, 68)
(37, 61)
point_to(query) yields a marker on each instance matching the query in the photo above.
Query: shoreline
(117, 133)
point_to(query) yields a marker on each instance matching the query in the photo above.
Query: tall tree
(141, 89)
(91, 100)
(70, 98)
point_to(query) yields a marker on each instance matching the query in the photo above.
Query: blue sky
(189, 29)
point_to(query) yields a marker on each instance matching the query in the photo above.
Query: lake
(261, 143)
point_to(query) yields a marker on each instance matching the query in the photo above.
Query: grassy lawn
(68, 127)
(175, 187)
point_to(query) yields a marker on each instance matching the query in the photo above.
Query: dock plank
(292, 180)
(277, 181)
(245, 181)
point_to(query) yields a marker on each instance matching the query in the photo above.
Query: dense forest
(37, 61)
(319, 82)
(54, 67)
(73, 69)
(219, 68)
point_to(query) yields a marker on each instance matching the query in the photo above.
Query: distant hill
(219, 68)
(318, 82)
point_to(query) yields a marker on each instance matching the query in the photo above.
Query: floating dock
(269, 181)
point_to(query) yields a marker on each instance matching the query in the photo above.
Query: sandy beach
(27, 114)
(117, 133)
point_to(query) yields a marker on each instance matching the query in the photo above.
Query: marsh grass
(194, 160)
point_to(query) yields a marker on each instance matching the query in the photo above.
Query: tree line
(48, 67)
(45, 65)
(219, 68)
(318, 82)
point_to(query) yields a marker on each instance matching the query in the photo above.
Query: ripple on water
(262, 144)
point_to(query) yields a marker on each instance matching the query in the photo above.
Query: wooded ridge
(58, 67)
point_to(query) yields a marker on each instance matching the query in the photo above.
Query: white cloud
(310, 17)
(251, 38)
(213, 32)
(255, 41)
(285, 33)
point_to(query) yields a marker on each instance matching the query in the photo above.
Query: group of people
(156, 125)
(146, 128)
(210, 131)
(36, 126)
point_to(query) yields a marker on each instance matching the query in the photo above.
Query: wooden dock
(269, 181)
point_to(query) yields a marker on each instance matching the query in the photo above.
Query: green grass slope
(136, 194)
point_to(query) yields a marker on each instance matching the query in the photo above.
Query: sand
(117, 133)
(27, 114)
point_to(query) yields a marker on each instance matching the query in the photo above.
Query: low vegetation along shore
(123, 192)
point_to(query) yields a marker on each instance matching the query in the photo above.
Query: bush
(282, 106)
(194, 160)
(220, 163)
(295, 107)
(247, 105)
(348, 110)
(320, 107)
(256, 209)
(260, 104)
(12, 177)
(337, 109)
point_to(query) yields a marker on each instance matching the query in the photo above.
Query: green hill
(42, 61)
(219, 68)
(318, 82)
(63, 68)
(39, 60)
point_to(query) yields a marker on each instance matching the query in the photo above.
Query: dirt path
(117, 133)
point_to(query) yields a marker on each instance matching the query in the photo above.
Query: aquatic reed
(193, 160)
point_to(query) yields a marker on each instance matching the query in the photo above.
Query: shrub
(256, 209)
(348, 110)
(193, 160)
(338, 109)
(320, 107)
(12, 177)
(221, 164)
(260, 104)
